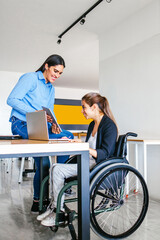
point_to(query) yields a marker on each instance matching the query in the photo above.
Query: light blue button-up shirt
(30, 94)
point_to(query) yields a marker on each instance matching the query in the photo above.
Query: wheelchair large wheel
(119, 201)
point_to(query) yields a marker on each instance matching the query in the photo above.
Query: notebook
(54, 120)
(10, 137)
(37, 127)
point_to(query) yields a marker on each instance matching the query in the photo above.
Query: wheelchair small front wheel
(54, 228)
(119, 201)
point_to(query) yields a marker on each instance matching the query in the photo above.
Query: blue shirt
(30, 94)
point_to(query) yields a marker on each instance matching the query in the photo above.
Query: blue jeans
(20, 127)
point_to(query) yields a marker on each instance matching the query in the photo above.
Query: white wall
(8, 81)
(130, 78)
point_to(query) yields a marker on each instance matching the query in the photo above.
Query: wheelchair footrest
(62, 219)
(66, 217)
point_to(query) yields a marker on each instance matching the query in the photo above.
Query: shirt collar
(41, 77)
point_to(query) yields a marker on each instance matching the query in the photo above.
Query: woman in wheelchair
(101, 136)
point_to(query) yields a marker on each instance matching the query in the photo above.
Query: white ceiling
(29, 30)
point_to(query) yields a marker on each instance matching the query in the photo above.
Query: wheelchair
(119, 197)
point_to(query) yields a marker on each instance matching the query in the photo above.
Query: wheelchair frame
(108, 187)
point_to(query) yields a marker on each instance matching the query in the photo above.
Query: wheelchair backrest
(121, 145)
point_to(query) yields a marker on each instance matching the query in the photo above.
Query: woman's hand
(77, 140)
(55, 129)
(49, 119)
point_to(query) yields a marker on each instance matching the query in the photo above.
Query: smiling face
(52, 73)
(87, 111)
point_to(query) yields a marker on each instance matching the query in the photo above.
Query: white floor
(17, 223)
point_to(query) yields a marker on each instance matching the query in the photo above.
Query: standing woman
(32, 91)
(101, 136)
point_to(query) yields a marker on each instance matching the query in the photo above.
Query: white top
(92, 144)
(92, 141)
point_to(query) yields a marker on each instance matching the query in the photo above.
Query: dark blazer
(106, 138)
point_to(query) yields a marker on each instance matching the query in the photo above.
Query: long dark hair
(52, 60)
(102, 102)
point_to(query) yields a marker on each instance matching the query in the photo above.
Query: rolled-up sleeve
(25, 84)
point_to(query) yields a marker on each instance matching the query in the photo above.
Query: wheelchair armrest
(72, 160)
(67, 180)
(106, 162)
(99, 166)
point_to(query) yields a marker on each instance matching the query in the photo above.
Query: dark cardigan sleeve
(106, 140)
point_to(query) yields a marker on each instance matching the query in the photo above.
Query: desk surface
(22, 148)
(31, 147)
(146, 141)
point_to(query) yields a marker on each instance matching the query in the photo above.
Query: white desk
(31, 148)
(144, 143)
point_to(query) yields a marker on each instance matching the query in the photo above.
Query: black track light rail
(81, 17)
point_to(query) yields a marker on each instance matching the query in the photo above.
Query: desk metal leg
(128, 151)
(136, 157)
(136, 166)
(83, 197)
(127, 180)
(145, 161)
(41, 170)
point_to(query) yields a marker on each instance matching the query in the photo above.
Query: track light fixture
(81, 19)
(59, 41)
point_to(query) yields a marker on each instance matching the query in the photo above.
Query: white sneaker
(45, 214)
(50, 220)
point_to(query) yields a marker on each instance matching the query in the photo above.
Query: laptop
(37, 127)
